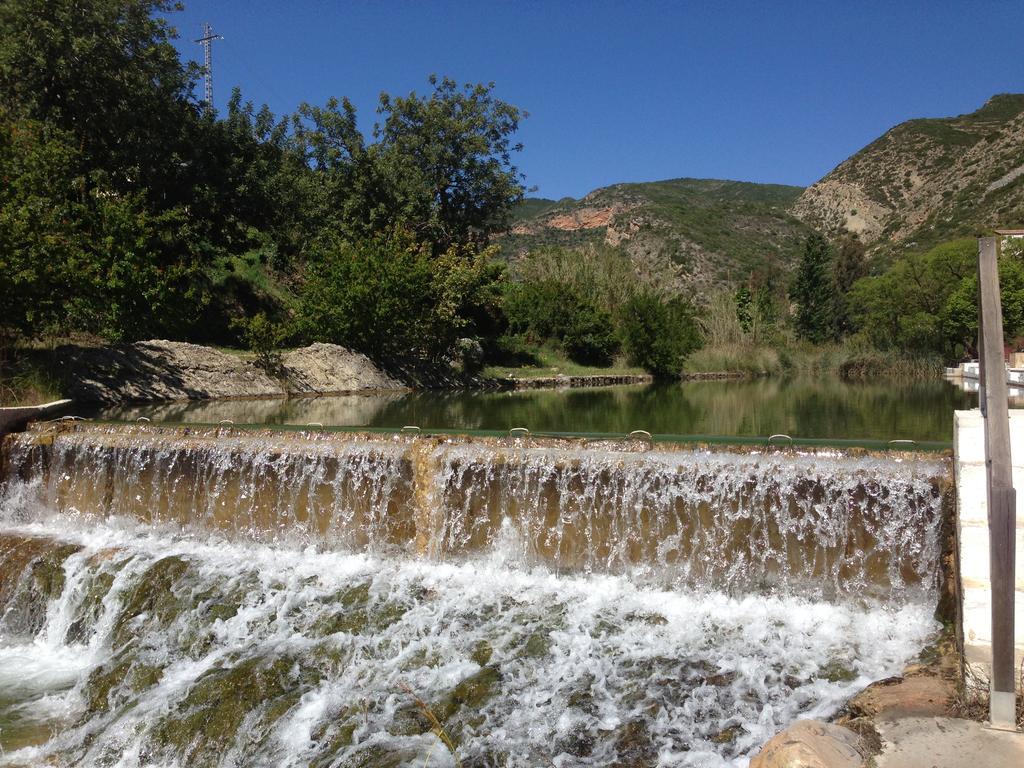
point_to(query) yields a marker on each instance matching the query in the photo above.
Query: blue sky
(759, 91)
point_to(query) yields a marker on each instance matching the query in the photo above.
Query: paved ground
(942, 742)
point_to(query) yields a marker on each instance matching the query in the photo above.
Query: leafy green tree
(76, 256)
(658, 335)
(813, 291)
(390, 297)
(919, 304)
(849, 267)
(744, 304)
(590, 338)
(447, 159)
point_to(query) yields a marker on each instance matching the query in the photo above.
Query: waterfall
(212, 597)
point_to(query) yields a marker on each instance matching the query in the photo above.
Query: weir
(823, 520)
(189, 593)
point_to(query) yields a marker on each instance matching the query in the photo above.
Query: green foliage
(128, 210)
(813, 291)
(265, 338)
(552, 310)
(850, 266)
(919, 304)
(590, 338)
(77, 256)
(448, 160)
(601, 275)
(389, 296)
(658, 335)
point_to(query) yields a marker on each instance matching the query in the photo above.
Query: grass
(845, 360)
(29, 380)
(552, 363)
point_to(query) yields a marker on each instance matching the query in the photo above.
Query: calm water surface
(810, 408)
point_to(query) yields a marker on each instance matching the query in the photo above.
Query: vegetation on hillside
(695, 233)
(927, 181)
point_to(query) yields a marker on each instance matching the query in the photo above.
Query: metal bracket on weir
(782, 436)
(519, 433)
(226, 422)
(642, 434)
(410, 429)
(71, 418)
(317, 424)
(909, 443)
(143, 420)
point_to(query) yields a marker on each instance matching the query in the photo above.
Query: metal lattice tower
(207, 42)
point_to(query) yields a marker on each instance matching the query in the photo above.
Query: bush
(658, 335)
(551, 310)
(265, 338)
(590, 338)
(390, 297)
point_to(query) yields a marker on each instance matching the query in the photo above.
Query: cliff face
(928, 180)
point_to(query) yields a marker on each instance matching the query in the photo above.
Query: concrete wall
(969, 450)
(15, 419)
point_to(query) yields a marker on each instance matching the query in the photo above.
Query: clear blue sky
(636, 91)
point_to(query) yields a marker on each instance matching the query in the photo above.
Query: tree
(849, 267)
(448, 159)
(658, 335)
(389, 296)
(925, 302)
(813, 291)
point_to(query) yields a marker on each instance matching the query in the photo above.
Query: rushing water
(216, 598)
(813, 408)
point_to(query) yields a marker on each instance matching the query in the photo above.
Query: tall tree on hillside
(448, 159)
(850, 266)
(813, 291)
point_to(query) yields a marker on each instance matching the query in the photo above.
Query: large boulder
(812, 744)
(328, 368)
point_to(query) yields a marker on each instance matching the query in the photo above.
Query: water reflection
(820, 407)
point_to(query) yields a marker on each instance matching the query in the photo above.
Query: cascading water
(207, 598)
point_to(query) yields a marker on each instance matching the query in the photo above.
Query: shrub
(658, 335)
(264, 337)
(590, 339)
(390, 297)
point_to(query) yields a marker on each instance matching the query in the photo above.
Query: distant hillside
(928, 180)
(703, 232)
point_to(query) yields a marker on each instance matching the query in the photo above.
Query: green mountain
(699, 232)
(928, 180)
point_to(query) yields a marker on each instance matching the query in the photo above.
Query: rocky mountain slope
(697, 232)
(928, 180)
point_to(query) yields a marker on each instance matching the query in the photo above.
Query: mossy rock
(725, 735)
(355, 611)
(471, 694)
(838, 671)
(90, 609)
(110, 686)
(153, 595)
(633, 744)
(207, 723)
(32, 575)
(482, 653)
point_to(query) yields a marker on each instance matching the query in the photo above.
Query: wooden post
(1000, 492)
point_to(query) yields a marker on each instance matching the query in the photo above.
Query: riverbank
(162, 371)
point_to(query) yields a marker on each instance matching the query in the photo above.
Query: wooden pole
(1000, 492)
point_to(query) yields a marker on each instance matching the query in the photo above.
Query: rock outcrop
(812, 744)
(330, 369)
(160, 370)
